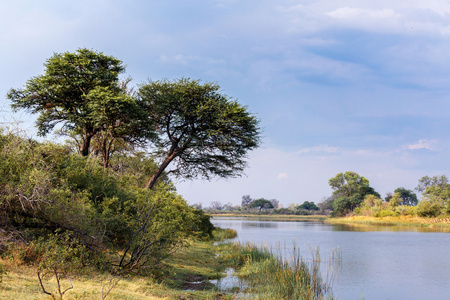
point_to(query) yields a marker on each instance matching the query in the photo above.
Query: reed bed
(269, 276)
(220, 234)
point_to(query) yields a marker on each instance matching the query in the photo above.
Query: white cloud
(321, 148)
(423, 144)
(349, 13)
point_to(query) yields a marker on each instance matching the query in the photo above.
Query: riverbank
(189, 274)
(409, 221)
(275, 217)
(360, 221)
(185, 275)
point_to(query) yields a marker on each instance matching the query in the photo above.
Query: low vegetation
(64, 216)
(268, 276)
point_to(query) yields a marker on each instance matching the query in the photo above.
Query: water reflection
(259, 224)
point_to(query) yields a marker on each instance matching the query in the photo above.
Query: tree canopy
(408, 197)
(261, 203)
(349, 190)
(427, 181)
(204, 131)
(81, 93)
(308, 206)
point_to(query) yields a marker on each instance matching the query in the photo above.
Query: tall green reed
(270, 275)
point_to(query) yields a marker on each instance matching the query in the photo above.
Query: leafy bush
(387, 213)
(428, 208)
(46, 188)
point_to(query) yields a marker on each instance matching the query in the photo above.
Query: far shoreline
(406, 221)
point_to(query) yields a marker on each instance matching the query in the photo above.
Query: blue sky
(338, 85)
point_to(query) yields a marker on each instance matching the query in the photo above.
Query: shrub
(62, 256)
(428, 208)
(387, 213)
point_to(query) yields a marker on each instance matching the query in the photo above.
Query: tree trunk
(85, 146)
(151, 183)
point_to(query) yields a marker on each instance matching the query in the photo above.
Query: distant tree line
(262, 206)
(353, 195)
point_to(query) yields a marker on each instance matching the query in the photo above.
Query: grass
(21, 283)
(186, 276)
(269, 277)
(402, 221)
(189, 268)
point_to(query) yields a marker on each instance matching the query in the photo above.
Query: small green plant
(62, 256)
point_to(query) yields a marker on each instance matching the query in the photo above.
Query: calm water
(377, 263)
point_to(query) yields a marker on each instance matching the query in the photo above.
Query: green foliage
(220, 234)
(201, 224)
(396, 200)
(436, 196)
(163, 223)
(205, 132)
(429, 208)
(45, 187)
(408, 197)
(436, 181)
(261, 203)
(387, 213)
(62, 256)
(269, 277)
(308, 206)
(350, 190)
(348, 184)
(81, 93)
(370, 200)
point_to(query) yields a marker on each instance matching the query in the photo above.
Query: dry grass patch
(409, 221)
(21, 282)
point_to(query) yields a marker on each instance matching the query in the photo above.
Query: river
(377, 262)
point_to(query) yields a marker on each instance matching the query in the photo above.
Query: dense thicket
(48, 189)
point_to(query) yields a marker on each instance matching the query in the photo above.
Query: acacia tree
(202, 130)
(308, 206)
(261, 203)
(82, 94)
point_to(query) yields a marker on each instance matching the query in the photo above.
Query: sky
(338, 85)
